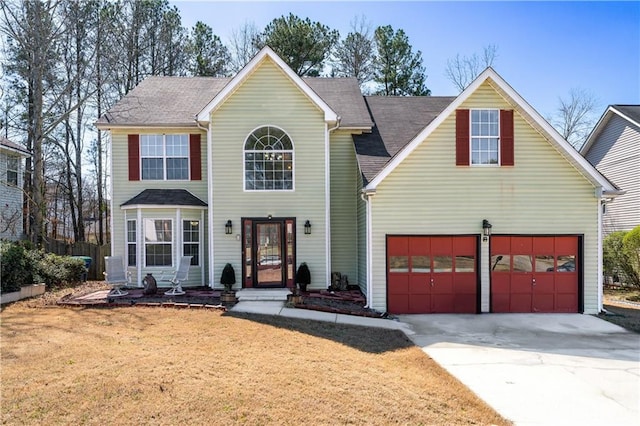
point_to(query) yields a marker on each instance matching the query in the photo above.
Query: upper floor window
(485, 134)
(13, 166)
(268, 160)
(164, 157)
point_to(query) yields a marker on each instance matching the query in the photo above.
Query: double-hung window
(13, 165)
(164, 157)
(191, 240)
(268, 160)
(158, 240)
(485, 136)
(131, 243)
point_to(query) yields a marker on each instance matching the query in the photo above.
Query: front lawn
(135, 365)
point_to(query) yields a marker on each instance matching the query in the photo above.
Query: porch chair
(181, 274)
(116, 275)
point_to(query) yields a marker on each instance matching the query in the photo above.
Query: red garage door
(534, 274)
(432, 274)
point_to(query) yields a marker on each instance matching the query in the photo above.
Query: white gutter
(367, 197)
(327, 198)
(600, 257)
(209, 201)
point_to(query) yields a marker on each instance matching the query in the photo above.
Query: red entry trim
(134, 157)
(462, 137)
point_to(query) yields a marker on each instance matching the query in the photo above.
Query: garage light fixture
(228, 227)
(307, 227)
(486, 230)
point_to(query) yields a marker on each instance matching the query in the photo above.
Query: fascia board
(489, 74)
(176, 126)
(161, 206)
(330, 116)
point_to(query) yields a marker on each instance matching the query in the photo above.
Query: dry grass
(169, 366)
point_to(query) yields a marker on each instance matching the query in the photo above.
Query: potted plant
(228, 279)
(303, 276)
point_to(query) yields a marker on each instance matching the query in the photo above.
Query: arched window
(268, 160)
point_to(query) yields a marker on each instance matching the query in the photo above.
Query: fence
(94, 251)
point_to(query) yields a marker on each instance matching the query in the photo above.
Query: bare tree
(243, 45)
(354, 56)
(462, 70)
(574, 118)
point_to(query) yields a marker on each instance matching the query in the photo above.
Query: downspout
(601, 205)
(327, 198)
(209, 201)
(367, 197)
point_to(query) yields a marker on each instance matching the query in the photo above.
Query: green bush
(621, 256)
(23, 266)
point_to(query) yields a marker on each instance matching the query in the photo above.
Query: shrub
(303, 276)
(621, 256)
(23, 266)
(228, 278)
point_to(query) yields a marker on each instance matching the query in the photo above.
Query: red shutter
(506, 137)
(195, 157)
(134, 157)
(462, 137)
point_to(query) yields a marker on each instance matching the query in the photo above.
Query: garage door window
(465, 264)
(522, 263)
(566, 263)
(501, 263)
(420, 264)
(544, 263)
(442, 264)
(398, 264)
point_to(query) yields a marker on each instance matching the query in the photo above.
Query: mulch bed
(349, 302)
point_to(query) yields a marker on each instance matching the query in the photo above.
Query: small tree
(228, 278)
(621, 256)
(303, 276)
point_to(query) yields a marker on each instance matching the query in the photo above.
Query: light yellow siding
(123, 189)
(344, 190)
(269, 97)
(541, 194)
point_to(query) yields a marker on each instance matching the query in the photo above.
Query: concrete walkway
(534, 369)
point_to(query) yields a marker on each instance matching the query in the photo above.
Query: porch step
(262, 294)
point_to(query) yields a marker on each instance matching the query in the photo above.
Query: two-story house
(12, 158)
(462, 204)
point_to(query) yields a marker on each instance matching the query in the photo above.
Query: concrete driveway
(539, 369)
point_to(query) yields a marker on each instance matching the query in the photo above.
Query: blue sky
(544, 48)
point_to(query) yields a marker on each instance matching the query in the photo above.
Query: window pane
(267, 152)
(152, 168)
(158, 255)
(465, 264)
(522, 263)
(177, 168)
(566, 263)
(156, 230)
(501, 263)
(442, 264)
(131, 231)
(191, 231)
(194, 251)
(420, 264)
(398, 264)
(131, 254)
(544, 263)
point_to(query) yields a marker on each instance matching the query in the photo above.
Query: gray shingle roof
(397, 121)
(6, 143)
(631, 111)
(165, 197)
(175, 101)
(168, 101)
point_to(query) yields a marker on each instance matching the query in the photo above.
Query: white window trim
(143, 262)
(199, 243)
(8, 160)
(293, 162)
(164, 157)
(471, 163)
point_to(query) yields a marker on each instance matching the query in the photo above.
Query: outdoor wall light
(228, 227)
(486, 230)
(307, 227)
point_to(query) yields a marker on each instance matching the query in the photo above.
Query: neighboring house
(11, 181)
(613, 147)
(267, 170)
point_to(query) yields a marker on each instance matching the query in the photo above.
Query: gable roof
(13, 147)
(330, 116)
(147, 104)
(397, 121)
(631, 113)
(164, 198)
(524, 109)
